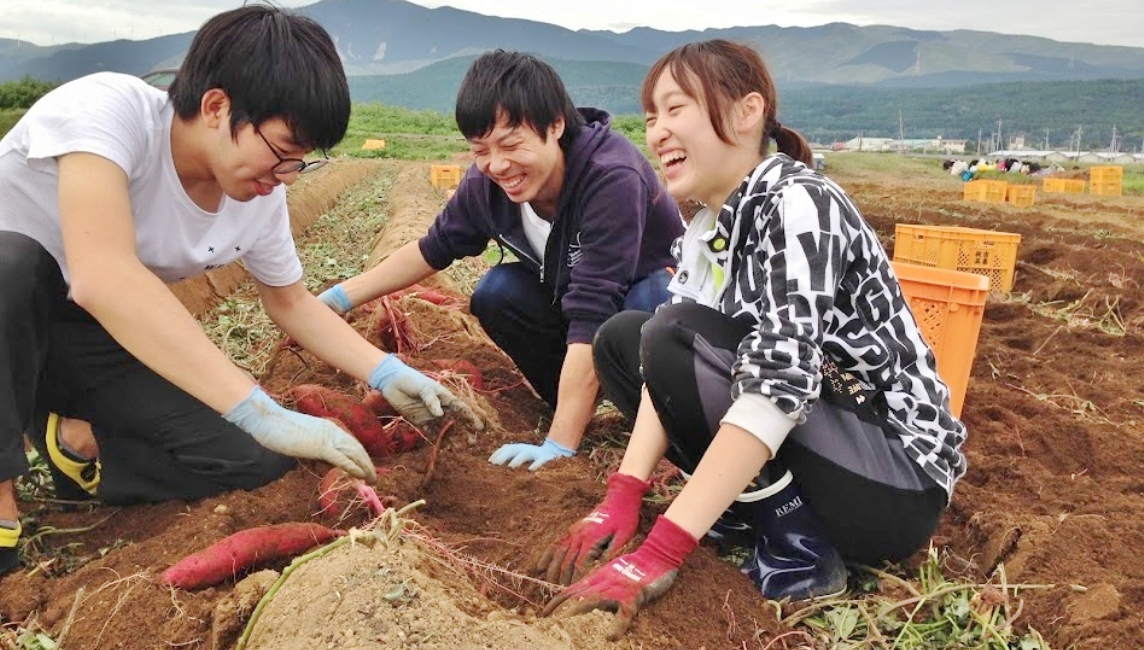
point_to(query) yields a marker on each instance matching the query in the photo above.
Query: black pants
(874, 502)
(156, 442)
(521, 317)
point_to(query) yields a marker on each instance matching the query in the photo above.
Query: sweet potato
(377, 403)
(462, 368)
(357, 418)
(403, 436)
(233, 555)
(337, 491)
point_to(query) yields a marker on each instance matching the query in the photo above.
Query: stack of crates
(1108, 181)
(1022, 196)
(986, 191)
(445, 177)
(1063, 186)
(983, 252)
(948, 306)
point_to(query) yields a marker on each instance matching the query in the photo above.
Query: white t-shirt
(536, 229)
(121, 118)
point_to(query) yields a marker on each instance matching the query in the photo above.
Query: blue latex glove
(335, 298)
(301, 436)
(519, 453)
(416, 397)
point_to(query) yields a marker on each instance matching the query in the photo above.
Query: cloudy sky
(1106, 22)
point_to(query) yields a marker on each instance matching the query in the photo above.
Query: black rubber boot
(9, 555)
(793, 558)
(67, 489)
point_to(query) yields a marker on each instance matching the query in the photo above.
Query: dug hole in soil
(1053, 493)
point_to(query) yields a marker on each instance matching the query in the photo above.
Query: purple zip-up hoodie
(614, 225)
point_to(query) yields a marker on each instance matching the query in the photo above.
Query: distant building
(927, 145)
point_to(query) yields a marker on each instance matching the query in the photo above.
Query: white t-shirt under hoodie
(121, 118)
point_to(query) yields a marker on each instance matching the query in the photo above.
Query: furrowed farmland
(1041, 547)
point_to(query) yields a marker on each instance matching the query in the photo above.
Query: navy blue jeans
(520, 316)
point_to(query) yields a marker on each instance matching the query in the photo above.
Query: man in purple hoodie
(579, 207)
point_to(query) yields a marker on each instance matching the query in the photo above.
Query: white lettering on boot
(789, 507)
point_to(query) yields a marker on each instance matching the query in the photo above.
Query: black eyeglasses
(292, 165)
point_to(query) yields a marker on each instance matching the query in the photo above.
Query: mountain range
(380, 37)
(408, 55)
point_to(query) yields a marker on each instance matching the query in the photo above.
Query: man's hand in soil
(300, 436)
(602, 533)
(416, 397)
(519, 453)
(631, 581)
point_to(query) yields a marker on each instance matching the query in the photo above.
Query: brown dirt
(1054, 494)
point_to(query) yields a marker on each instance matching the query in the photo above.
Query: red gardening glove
(631, 581)
(604, 532)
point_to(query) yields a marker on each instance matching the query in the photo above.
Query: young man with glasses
(109, 190)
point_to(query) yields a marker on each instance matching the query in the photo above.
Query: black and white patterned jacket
(790, 253)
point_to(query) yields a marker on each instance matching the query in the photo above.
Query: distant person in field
(579, 207)
(109, 189)
(787, 378)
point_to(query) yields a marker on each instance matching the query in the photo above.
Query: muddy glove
(602, 533)
(416, 397)
(301, 436)
(631, 581)
(336, 299)
(519, 453)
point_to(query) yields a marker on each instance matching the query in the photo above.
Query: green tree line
(23, 93)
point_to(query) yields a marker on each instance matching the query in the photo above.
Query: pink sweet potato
(403, 436)
(244, 550)
(338, 493)
(377, 403)
(462, 368)
(357, 418)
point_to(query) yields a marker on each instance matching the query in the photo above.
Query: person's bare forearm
(734, 458)
(142, 314)
(648, 443)
(576, 397)
(322, 332)
(404, 267)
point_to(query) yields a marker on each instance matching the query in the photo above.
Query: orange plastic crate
(445, 176)
(986, 191)
(984, 252)
(1063, 185)
(1022, 196)
(1106, 188)
(948, 306)
(1106, 174)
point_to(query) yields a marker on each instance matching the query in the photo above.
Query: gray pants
(156, 442)
(874, 502)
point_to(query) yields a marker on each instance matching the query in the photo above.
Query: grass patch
(856, 162)
(9, 117)
(931, 613)
(335, 248)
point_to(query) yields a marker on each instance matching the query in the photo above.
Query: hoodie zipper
(520, 253)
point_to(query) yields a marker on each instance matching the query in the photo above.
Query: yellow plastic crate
(445, 176)
(1063, 185)
(1106, 188)
(986, 191)
(982, 252)
(948, 306)
(1106, 174)
(1022, 196)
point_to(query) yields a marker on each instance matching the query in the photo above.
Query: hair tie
(776, 127)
